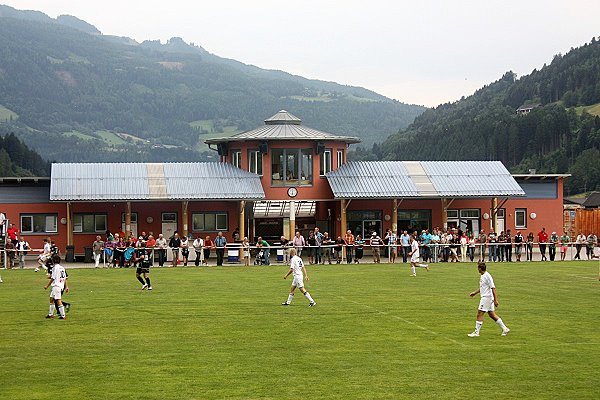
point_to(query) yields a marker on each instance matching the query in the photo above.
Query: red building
(274, 180)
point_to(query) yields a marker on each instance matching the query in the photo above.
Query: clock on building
(292, 192)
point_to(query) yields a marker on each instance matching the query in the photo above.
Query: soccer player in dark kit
(143, 266)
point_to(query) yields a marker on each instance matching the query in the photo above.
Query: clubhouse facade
(272, 181)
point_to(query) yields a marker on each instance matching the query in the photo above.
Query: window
(414, 220)
(236, 158)
(325, 162)
(133, 217)
(89, 223)
(255, 160)
(340, 158)
(209, 222)
(39, 223)
(469, 213)
(364, 222)
(521, 218)
(291, 167)
(452, 214)
(168, 217)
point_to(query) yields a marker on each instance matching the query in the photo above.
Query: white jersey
(486, 284)
(47, 248)
(59, 276)
(296, 265)
(414, 246)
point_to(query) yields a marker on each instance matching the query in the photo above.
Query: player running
(414, 255)
(58, 281)
(488, 302)
(143, 266)
(297, 268)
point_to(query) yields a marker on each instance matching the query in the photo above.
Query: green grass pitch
(376, 333)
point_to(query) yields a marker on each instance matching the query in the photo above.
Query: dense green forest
(76, 95)
(560, 135)
(16, 159)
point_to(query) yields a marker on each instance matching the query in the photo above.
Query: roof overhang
(540, 177)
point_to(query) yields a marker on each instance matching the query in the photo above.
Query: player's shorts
(486, 304)
(298, 281)
(414, 258)
(563, 249)
(142, 270)
(56, 293)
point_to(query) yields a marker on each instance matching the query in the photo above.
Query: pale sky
(421, 51)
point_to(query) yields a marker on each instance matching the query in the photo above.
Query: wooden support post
(184, 217)
(495, 215)
(127, 219)
(292, 220)
(69, 224)
(395, 216)
(242, 223)
(343, 224)
(444, 213)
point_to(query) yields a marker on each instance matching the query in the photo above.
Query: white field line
(583, 276)
(403, 320)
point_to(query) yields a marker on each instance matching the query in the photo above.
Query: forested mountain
(561, 134)
(76, 95)
(16, 159)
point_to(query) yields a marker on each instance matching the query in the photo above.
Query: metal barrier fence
(433, 252)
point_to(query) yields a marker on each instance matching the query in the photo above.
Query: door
(168, 228)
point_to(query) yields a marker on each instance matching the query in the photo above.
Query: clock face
(292, 192)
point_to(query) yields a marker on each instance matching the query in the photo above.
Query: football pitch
(376, 333)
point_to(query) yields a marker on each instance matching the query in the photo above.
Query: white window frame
(53, 218)
(524, 212)
(78, 225)
(325, 162)
(165, 217)
(134, 217)
(464, 211)
(452, 214)
(253, 166)
(236, 158)
(217, 227)
(340, 158)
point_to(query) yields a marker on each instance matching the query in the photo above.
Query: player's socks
(307, 295)
(148, 282)
(413, 270)
(61, 311)
(290, 298)
(501, 324)
(51, 309)
(139, 278)
(478, 326)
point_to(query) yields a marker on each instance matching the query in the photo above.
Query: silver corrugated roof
(422, 179)
(152, 181)
(284, 126)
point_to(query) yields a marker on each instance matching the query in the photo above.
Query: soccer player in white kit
(414, 256)
(299, 271)
(488, 302)
(58, 281)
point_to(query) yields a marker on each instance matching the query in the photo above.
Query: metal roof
(152, 181)
(284, 126)
(422, 179)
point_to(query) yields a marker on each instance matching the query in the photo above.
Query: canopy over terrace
(126, 182)
(445, 180)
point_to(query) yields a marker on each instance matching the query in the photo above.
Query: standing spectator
(405, 241)
(98, 249)
(482, 239)
(337, 250)
(590, 242)
(12, 233)
(349, 239)
(386, 242)
(426, 239)
(464, 244)
(198, 245)
(471, 247)
(518, 245)
(508, 245)
(22, 248)
(359, 243)
(208, 244)
(2, 223)
(492, 247)
(564, 243)
(376, 244)
(119, 247)
(501, 246)
(285, 247)
(298, 243)
(579, 242)
(263, 245)
(220, 243)
(392, 246)
(318, 242)
(530, 246)
(312, 247)
(327, 244)
(9, 248)
(552, 246)
(161, 245)
(175, 244)
(185, 250)
(542, 242)
(236, 235)
(246, 251)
